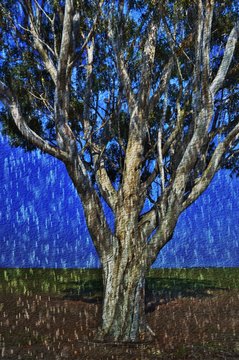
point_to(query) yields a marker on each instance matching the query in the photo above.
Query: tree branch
(147, 63)
(38, 44)
(65, 136)
(44, 12)
(88, 92)
(116, 42)
(89, 36)
(11, 102)
(212, 167)
(66, 38)
(149, 222)
(162, 236)
(106, 188)
(94, 214)
(226, 60)
(163, 83)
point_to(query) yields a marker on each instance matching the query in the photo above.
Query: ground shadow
(163, 290)
(158, 290)
(90, 291)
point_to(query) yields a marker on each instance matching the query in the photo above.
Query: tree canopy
(31, 38)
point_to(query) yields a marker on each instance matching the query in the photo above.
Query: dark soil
(54, 328)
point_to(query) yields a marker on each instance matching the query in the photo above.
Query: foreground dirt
(53, 328)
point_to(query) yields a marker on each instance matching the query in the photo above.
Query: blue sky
(42, 223)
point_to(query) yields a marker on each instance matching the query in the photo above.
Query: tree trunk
(124, 299)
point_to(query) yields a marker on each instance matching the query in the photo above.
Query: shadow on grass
(158, 290)
(90, 291)
(164, 290)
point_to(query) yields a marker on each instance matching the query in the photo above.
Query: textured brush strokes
(34, 205)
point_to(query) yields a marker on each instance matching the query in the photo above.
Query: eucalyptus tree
(138, 99)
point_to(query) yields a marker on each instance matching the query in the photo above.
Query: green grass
(220, 277)
(75, 282)
(46, 281)
(171, 283)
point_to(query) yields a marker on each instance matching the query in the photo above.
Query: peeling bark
(124, 300)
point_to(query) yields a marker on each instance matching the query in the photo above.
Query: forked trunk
(124, 300)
